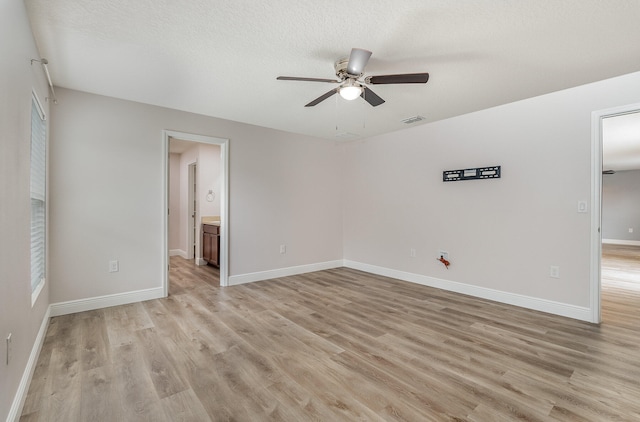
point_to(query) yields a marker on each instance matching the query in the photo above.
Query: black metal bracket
(492, 172)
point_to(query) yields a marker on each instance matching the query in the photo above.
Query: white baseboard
(283, 272)
(23, 388)
(621, 242)
(543, 305)
(73, 306)
(178, 252)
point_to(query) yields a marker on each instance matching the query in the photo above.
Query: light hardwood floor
(338, 345)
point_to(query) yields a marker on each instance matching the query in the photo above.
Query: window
(38, 196)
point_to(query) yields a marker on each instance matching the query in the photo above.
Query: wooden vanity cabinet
(211, 244)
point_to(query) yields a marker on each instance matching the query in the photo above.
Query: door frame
(192, 210)
(596, 200)
(224, 201)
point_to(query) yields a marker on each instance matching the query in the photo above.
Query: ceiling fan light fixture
(349, 71)
(350, 91)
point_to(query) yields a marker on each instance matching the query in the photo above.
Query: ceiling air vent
(346, 135)
(413, 119)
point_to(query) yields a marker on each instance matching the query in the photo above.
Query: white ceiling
(178, 146)
(221, 58)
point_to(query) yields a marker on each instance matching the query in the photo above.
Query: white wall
(209, 179)
(107, 200)
(17, 78)
(207, 160)
(174, 202)
(621, 206)
(502, 235)
(187, 158)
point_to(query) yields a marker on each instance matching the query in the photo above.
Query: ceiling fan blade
(371, 97)
(322, 98)
(407, 78)
(357, 61)
(294, 78)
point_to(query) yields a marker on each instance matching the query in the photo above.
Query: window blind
(38, 193)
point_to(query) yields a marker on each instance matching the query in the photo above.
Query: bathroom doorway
(205, 195)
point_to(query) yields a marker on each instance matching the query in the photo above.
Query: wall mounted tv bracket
(492, 172)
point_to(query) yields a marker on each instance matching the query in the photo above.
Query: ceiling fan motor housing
(341, 69)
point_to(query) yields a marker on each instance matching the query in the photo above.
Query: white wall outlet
(630, 229)
(582, 206)
(412, 253)
(554, 271)
(443, 254)
(114, 266)
(283, 249)
(9, 348)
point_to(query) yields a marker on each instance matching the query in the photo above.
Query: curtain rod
(44, 63)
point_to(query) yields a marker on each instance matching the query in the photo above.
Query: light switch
(582, 206)
(113, 266)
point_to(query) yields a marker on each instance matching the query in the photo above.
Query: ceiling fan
(350, 86)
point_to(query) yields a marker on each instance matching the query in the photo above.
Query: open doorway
(615, 238)
(204, 196)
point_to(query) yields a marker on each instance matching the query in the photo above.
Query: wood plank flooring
(339, 345)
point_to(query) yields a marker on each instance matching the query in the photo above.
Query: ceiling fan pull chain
(336, 114)
(364, 111)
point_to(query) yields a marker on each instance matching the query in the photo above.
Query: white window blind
(38, 192)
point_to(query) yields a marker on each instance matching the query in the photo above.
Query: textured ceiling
(221, 58)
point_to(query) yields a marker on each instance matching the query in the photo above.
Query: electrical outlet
(554, 271)
(412, 253)
(113, 266)
(9, 348)
(283, 249)
(443, 254)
